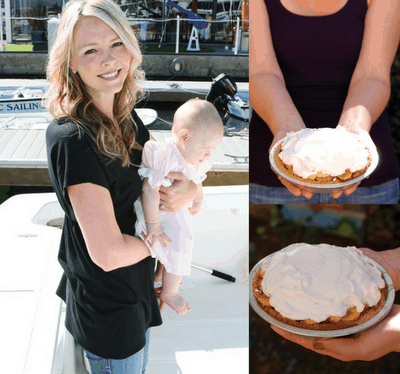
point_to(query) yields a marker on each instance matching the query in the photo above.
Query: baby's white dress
(158, 159)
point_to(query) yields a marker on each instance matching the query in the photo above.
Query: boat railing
(156, 35)
(178, 32)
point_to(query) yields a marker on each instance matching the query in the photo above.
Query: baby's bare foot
(176, 302)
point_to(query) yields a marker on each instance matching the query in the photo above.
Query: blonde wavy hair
(68, 95)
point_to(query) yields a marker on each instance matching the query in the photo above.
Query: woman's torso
(317, 56)
(108, 313)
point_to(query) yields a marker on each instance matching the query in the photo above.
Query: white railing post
(8, 21)
(177, 34)
(52, 30)
(1, 29)
(237, 35)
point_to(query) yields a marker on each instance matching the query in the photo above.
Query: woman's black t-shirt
(108, 313)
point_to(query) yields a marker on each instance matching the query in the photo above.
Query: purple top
(317, 56)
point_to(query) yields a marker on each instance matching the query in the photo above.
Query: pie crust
(319, 178)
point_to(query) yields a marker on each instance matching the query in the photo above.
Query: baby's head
(197, 128)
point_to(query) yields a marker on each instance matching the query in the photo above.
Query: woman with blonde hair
(94, 148)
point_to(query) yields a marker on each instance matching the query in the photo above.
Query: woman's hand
(363, 135)
(367, 345)
(389, 260)
(182, 192)
(348, 190)
(366, 139)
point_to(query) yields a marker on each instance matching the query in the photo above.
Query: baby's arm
(198, 201)
(151, 202)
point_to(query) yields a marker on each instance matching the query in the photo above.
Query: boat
(40, 120)
(211, 338)
(23, 159)
(22, 99)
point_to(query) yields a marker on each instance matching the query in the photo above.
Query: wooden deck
(23, 159)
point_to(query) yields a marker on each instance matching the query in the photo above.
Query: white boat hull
(212, 338)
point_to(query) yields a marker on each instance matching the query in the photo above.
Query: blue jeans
(386, 193)
(135, 364)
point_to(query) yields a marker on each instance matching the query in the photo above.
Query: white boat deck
(211, 338)
(29, 315)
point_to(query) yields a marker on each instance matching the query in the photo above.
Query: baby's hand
(195, 208)
(155, 234)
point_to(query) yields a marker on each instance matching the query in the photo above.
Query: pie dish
(350, 323)
(292, 168)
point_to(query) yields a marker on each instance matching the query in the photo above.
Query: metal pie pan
(316, 333)
(324, 188)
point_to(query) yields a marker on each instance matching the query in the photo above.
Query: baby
(197, 128)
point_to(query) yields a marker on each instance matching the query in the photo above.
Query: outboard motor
(222, 94)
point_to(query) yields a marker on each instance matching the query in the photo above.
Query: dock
(197, 66)
(23, 157)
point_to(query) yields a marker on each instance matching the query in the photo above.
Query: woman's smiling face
(99, 57)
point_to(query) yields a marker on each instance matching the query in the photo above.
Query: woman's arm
(268, 94)
(368, 345)
(107, 246)
(369, 89)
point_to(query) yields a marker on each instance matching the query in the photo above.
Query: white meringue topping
(315, 282)
(326, 150)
